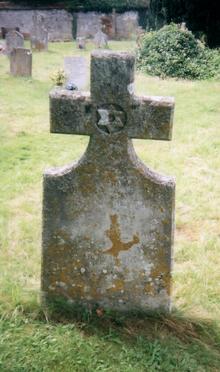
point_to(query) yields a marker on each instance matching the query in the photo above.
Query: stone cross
(13, 40)
(21, 62)
(108, 220)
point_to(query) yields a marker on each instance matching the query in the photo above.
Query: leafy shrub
(58, 77)
(174, 51)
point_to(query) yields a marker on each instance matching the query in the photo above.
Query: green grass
(188, 339)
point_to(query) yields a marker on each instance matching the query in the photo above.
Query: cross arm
(151, 118)
(70, 112)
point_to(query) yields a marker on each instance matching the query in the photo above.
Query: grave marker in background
(13, 40)
(21, 62)
(39, 33)
(5, 30)
(101, 40)
(76, 70)
(108, 220)
(81, 42)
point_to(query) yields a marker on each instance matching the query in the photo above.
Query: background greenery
(189, 339)
(174, 51)
(201, 17)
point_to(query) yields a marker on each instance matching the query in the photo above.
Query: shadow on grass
(129, 326)
(161, 340)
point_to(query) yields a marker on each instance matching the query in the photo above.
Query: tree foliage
(175, 52)
(201, 16)
(103, 5)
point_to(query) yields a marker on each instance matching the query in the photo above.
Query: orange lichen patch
(149, 289)
(161, 272)
(78, 290)
(114, 235)
(118, 285)
(164, 276)
(110, 177)
(87, 178)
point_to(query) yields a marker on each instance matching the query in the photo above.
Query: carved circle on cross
(110, 118)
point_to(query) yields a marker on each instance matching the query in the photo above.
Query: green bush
(175, 52)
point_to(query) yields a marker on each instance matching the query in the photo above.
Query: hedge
(103, 5)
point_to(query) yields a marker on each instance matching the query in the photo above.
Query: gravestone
(39, 33)
(13, 40)
(108, 219)
(76, 70)
(81, 42)
(5, 30)
(101, 40)
(21, 62)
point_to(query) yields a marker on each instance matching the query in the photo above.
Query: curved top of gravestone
(14, 39)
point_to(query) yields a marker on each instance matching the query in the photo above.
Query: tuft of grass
(34, 340)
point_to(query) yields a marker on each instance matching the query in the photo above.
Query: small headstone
(108, 220)
(101, 40)
(5, 30)
(21, 62)
(39, 33)
(76, 71)
(81, 42)
(14, 40)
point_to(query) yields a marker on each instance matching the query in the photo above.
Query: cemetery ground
(30, 339)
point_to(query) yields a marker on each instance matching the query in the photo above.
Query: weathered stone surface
(21, 62)
(13, 40)
(58, 22)
(101, 40)
(76, 70)
(115, 25)
(108, 219)
(39, 33)
(5, 30)
(81, 42)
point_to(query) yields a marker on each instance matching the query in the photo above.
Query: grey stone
(58, 22)
(5, 30)
(101, 40)
(115, 25)
(108, 220)
(39, 33)
(13, 40)
(76, 70)
(21, 62)
(81, 42)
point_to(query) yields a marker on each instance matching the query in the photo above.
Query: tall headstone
(13, 40)
(21, 62)
(101, 40)
(76, 71)
(39, 33)
(108, 220)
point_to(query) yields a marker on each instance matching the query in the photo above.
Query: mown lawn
(186, 340)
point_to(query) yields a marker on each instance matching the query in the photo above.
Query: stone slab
(76, 70)
(108, 220)
(39, 33)
(13, 40)
(21, 62)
